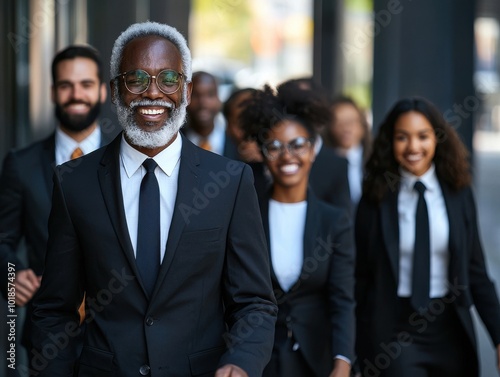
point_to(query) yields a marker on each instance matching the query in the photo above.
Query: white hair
(151, 28)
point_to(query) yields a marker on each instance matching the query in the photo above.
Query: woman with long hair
(420, 266)
(349, 134)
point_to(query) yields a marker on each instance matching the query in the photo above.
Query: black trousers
(286, 361)
(435, 343)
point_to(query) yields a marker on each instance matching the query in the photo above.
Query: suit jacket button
(149, 321)
(144, 370)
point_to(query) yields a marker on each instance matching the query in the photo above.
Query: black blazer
(212, 303)
(328, 178)
(377, 270)
(319, 307)
(25, 197)
(230, 149)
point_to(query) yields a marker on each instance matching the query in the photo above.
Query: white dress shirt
(66, 145)
(286, 232)
(216, 138)
(439, 229)
(131, 174)
(318, 143)
(355, 172)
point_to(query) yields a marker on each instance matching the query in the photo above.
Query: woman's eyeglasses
(297, 147)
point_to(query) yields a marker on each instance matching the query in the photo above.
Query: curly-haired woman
(310, 242)
(420, 265)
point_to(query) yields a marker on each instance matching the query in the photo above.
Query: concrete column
(426, 48)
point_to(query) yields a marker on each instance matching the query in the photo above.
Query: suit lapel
(264, 210)
(48, 163)
(453, 210)
(187, 181)
(312, 226)
(389, 219)
(109, 179)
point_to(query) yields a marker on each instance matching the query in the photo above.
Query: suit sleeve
(482, 288)
(56, 331)
(11, 212)
(341, 288)
(342, 194)
(364, 223)
(248, 298)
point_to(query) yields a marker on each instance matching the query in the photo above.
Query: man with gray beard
(163, 237)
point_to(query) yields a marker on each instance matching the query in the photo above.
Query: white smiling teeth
(151, 111)
(292, 168)
(414, 157)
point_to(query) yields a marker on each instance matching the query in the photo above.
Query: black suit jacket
(319, 307)
(328, 178)
(377, 270)
(230, 149)
(212, 303)
(25, 197)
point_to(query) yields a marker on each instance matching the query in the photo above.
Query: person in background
(310, 242)
(236, 146)
(420, 267)
(164, 237)
(349, 135)
(328, 177)
(78, 91)
(206, 126)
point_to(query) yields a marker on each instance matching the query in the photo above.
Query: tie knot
(420, 187)
(150, 165)
(76, 153)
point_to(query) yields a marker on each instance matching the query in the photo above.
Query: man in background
(26, 179)
(206, 127)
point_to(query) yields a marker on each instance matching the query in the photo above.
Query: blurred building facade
(446, 50)
(414, 48)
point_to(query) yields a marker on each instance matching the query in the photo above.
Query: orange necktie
(205, 144)
(81, 310)
(76, 153)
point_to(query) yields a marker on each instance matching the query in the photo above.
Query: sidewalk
(487, 190)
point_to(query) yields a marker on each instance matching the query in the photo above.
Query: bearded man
(77, 92)
(164, 238)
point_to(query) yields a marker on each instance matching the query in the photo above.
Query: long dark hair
(450, 159)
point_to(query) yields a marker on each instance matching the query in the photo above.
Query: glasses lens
(168, 81)
(272, 150)
(299, 146)
(137, 81)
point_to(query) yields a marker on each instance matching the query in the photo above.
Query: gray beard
(151, 139)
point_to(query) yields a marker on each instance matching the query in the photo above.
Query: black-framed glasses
(296, 147)
(138, 81)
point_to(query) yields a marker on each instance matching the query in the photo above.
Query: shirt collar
(167, 159)
(355, 155)
(67, 144)
(429, 179)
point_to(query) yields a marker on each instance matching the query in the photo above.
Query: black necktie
(148, 233)
(421, 255)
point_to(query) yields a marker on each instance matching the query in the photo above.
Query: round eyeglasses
(297, 147)
(138, 81)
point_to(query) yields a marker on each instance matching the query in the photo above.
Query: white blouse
(286, 233)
